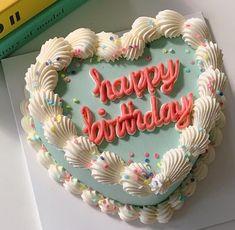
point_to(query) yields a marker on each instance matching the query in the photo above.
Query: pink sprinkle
(156, 155)
(203, 44)
(67, 176)
(105, 166)
(75, 141)
(89, 164)
(33, 126)
(93, 161)
(148, 58)
(124, 50)
(198, 36)
(129, 162)
(43, 148)
(135, 177)
(102, 112)
(135, 171)
(140, 171)
(67, 79)
(192, 62)
(131, 154)
(146, 154)
(77, 52)
(188, 25)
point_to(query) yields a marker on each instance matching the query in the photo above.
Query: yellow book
(14, 13)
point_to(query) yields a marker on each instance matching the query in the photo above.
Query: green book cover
(36, 25)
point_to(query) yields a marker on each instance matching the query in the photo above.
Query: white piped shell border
(170, 24)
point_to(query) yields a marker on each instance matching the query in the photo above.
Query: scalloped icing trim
(171, 24)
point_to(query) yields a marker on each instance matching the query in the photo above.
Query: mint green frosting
(159, 141)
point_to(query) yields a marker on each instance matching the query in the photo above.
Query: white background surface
(18, 208)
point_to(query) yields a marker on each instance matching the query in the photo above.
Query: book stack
(22, 20)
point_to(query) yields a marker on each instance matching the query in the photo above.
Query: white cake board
(213, 202)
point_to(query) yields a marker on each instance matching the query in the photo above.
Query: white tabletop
(18, 207)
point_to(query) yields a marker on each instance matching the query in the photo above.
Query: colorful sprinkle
(129, 162)
(102, 158)
(67, 79)
(76, 141)
(73, 72)
(52, 129)
(77, 52)
(75, 100)
(126, 177)
(148, 58)
(124, 50)
(68, 107)
(58, 118)
(146, 154)
(105, 166)
(131, 154)
(111, 38)
(206, 56)
(172, 51)
(156, 155)
(164, 51)
(187, 70)
(183, 198)
(135, 177)
(146, 182)
(150, 174)
(102, 112)
(220, 93)
(199, 36)
(103, 46)
(192, 62)
(146, 160)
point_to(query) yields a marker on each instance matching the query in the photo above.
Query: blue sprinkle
(200, 129)
(73, 72)
(183, 198)
(126, 177)
(102, 158)
(187, 70)
(151, 174)
(147, 160)
(220, 93)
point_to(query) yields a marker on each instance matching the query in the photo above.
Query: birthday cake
(128, 123)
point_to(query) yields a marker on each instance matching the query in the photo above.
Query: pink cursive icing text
(132, 119)
(147, 78)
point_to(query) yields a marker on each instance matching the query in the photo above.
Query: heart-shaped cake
(128, 123)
